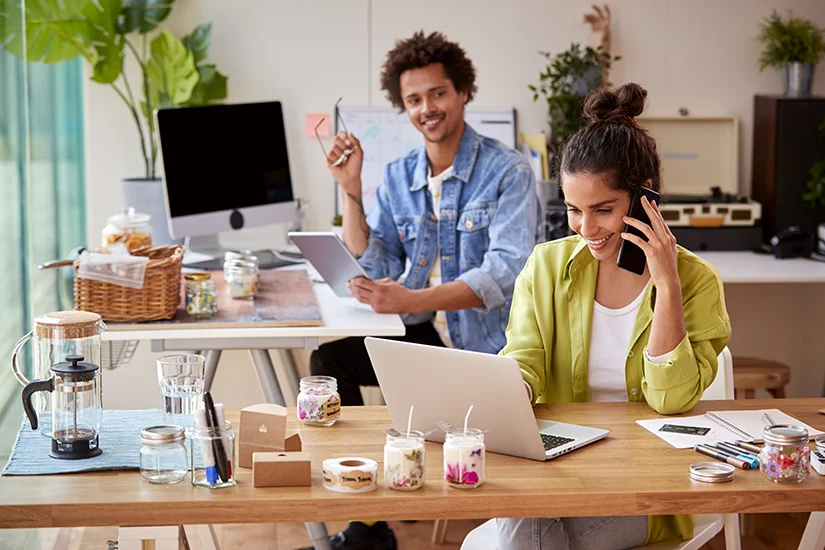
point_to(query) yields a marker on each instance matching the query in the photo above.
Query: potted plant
(174, 71)
(566, 80)
(794, 45)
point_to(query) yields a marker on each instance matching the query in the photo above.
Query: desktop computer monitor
(225, 167)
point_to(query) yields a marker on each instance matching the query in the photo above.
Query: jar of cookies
(131, 228)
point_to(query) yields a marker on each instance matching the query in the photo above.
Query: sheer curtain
(42, 205)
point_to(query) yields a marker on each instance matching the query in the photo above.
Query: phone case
(631, 257)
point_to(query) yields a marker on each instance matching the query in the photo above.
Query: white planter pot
(147, 196)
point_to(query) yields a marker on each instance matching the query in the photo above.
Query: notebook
(723, 425)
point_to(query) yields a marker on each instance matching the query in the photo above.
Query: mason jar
(133, 229)
(163, 454)
(464, 458)
(404, 459)
(212, 452)
(201, 295)
(319, 403)
(785, 457)
(241, 279)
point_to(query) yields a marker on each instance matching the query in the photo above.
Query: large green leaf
(56, 30)
(210, 87)
(106, 40)
(171, 72)
(143, 15)
(198, 42)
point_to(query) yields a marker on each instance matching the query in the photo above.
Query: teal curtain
(42, 205)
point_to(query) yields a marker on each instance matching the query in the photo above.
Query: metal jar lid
(197, 276)
(785, 434)
(162, 435)
(820, 442)
(712, 472)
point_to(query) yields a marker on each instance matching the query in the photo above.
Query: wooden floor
(772, 532)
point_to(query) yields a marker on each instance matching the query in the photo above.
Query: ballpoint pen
(217, 445)
(767, 417)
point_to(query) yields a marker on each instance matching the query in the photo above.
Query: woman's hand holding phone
(659, 249)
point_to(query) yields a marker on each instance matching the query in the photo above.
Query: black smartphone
(631, 257)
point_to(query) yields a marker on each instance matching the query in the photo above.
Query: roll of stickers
(350, 475)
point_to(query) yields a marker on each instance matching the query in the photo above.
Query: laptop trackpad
(559, 428)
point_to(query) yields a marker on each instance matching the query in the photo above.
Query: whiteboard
(386, 135)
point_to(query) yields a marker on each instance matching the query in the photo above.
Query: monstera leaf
(106, 40)
(210, 87)
(55, 30)
(171, 72)
(143, 15)
(198, 42)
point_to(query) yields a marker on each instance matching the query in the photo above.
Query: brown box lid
(263, 424)
(282, 469)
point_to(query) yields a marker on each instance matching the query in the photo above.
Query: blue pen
(751, 460)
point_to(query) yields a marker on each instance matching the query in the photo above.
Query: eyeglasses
(347, 152)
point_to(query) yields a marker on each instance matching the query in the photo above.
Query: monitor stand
(205, 252)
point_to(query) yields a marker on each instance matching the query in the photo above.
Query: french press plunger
(75, 407)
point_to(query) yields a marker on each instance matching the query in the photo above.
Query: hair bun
(620, 105)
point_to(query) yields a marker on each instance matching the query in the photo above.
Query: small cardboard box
(246, 450)
(281, 470)
(263, 425)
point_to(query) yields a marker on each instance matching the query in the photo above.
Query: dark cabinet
(786, 142)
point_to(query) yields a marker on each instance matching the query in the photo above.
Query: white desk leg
(318, 534)
(732, 539)
(814, 536)
(292, 380)
(212, 358)
(266, 376)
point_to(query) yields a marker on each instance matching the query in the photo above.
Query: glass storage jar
(241, 278)
(213, 456)
(785, 457)
(131, 228)
(319, 403)
(464, 458)
(201, 296)
(404, 459)
(163, 454)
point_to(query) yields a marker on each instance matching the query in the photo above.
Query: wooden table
(632, 472)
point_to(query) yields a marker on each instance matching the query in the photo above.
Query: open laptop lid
(442, 383)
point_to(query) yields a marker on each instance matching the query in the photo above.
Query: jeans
(349, 363)
(589, 533)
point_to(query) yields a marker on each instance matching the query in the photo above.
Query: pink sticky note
(311, 122)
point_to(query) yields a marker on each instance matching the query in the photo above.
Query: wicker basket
(158, 299)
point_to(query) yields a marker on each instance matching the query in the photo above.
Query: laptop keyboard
(553, 441)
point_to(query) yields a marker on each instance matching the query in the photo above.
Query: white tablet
(329, 256)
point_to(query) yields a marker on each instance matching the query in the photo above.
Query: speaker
(787, 141)
(555, 220)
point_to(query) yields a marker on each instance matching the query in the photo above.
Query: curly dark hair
(420, 51)
(612, 143)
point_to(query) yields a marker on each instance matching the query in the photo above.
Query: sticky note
(311, 122)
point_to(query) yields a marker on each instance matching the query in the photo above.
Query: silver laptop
(442, 383)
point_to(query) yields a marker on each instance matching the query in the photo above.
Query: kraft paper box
(246, 450)
(263, 425)
(281, 470)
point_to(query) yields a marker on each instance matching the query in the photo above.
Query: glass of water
(180, 377)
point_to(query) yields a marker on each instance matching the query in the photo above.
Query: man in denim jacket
(462, 210)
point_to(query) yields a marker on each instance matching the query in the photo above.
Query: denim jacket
(485, 232)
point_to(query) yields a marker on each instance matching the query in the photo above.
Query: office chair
(485, 536)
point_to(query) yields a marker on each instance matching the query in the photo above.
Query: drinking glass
(180, 377)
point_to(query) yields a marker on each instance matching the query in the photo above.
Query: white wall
(698, 54)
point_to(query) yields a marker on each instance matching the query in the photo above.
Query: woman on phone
(585, 329)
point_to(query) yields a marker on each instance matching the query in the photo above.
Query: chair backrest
(722, 385)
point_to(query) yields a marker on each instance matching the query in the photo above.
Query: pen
(217, 444)
(743, 450)
(769, 419)
(724, 457)
(752, 461)
(749, 446)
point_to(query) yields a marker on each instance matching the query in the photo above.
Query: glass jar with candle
(241, 279)
(319, 403)
(201, 296)
(785, 457)
(404, 456)
(464, 458)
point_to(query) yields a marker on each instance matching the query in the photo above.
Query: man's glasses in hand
(347, 152)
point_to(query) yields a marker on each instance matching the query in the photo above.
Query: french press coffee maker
(75, 407)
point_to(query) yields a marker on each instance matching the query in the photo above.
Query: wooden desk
(632, 472)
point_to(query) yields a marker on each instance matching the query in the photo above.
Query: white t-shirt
(610, 334)
(434, 185)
